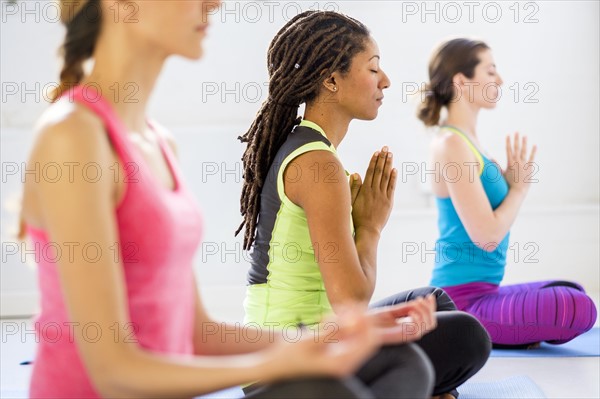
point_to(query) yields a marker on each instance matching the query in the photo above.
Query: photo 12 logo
(470, 11)
(269, 11)
(51, 11)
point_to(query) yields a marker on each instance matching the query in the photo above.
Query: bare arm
(486, 227)
(372, 202)
(214, 338)
(349, 273)
(79, 211)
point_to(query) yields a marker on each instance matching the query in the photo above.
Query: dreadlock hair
(307, 50)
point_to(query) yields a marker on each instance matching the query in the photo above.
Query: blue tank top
(457, 259)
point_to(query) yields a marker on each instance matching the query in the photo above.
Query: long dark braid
(83, 20)
(78, 46)
(311, 43)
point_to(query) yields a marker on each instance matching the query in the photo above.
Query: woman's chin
(488, 104)
(193, 54)
(368, 116)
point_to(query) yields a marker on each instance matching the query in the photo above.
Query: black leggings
(311, 388)
(457, 349)
(438, 363)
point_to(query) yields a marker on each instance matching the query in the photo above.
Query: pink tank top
(159, 232)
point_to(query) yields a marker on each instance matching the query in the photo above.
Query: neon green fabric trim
(315, 146)
(471, 146)
(312, 125)
(294, 292)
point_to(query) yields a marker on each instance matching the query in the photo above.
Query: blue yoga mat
(517, 387)
(586, 345)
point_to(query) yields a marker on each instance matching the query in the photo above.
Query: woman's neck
(334, 123)
(463, 116)
(126, 73)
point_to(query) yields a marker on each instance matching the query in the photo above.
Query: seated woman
(314, 238)
(478, 206)
(151, 336)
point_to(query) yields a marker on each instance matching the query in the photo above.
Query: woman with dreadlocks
(313, 238)
(150, 335)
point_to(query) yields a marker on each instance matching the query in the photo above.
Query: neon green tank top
(285, 286)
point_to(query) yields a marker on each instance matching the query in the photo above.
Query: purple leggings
(552, 311)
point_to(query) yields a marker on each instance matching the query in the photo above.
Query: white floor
(566, 377)
(576, 377)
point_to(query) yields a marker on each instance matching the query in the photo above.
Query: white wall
(558, 56)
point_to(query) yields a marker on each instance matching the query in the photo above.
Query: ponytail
(79, 44)
(430, 109)
(78, 47)
(451, 57)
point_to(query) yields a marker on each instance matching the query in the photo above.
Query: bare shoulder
(71, 149)
(316, 167)
(316, 177)
(447, 146)
(69, 131)
(165, 134)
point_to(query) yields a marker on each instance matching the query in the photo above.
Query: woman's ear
(459, 80)
(330, 83)
(459, 86)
